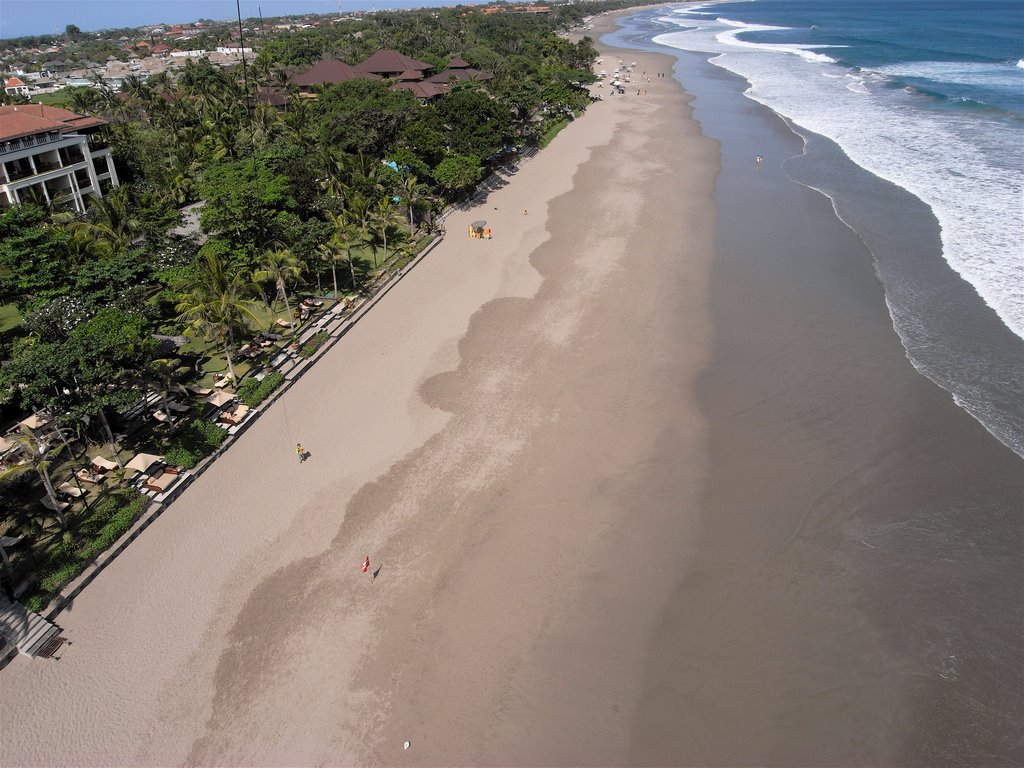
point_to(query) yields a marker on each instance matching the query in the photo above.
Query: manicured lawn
(10, 318)
(55, 99)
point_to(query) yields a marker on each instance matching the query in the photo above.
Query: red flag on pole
(365, 566)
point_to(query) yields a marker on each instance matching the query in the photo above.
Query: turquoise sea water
(927, 96)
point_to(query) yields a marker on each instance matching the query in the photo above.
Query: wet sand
(512, 436)
(855, 595)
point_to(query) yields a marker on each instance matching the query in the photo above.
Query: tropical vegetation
(109, 314)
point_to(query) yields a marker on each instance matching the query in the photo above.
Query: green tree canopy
(477, 124)
(247, 205)
(364, 116)
(34, 255)
(457, 173)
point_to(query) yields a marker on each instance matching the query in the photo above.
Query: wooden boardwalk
(29, 632)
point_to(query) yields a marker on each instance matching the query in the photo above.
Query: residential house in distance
(15, 87)
(50, 154)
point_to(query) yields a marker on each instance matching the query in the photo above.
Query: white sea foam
(737, 28)
(966, 171)
(1001, 76)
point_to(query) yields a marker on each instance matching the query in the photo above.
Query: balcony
(19, 172)
(69, 157)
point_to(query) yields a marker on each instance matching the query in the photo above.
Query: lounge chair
(161, 416)
(161, 482)
(282, 323)
(234, 416)
(102, 465)
(71, 490)
(177, 407)
(87, 475)
(60, 506)
(197, 390)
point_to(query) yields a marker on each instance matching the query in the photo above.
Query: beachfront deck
(28, 632)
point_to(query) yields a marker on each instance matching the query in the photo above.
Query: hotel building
(53, 156)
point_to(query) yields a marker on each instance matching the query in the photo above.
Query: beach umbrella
(479, 224)
(143, 461)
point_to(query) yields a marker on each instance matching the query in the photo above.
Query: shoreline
(517, 428)
(859, 555)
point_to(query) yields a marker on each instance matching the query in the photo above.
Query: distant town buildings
(15, 87)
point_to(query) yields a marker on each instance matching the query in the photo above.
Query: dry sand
(511, 434)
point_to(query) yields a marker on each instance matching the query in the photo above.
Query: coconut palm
(339, 247)
(40, 456)
(383, 217)
(159, 373)
(214, 301)
(411, 193)
(110, 226)
(279, 267)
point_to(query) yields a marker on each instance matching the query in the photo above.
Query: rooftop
(390, 61)
(330, 71)
(29, 119)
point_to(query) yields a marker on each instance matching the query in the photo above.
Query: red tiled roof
(422, 90)
(14, 82)
(457, 62)
(390, 61)
(28, 119)
(328, 72)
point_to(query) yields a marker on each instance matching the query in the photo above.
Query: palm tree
(214, 302)
(83, 100)
(40, 455)
(160, 373)
(299, 120)
(112, 227)
(412, 193)
(346, 234)
(181, 189)
(280, 266)
(384, 216)
(223, 130)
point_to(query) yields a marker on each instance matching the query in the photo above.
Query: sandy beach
(648, 479)
(512, 435)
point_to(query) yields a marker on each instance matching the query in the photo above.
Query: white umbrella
(143, 461)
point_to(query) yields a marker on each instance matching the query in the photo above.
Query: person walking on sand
(365, 565)
(300, 452)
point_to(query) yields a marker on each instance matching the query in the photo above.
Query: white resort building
(52, 155)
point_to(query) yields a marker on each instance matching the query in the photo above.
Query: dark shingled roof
(329, 72)
(422, 90)
(461, 75)
(386, 61)
(457, 62)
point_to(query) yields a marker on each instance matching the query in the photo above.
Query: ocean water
(926, 99)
